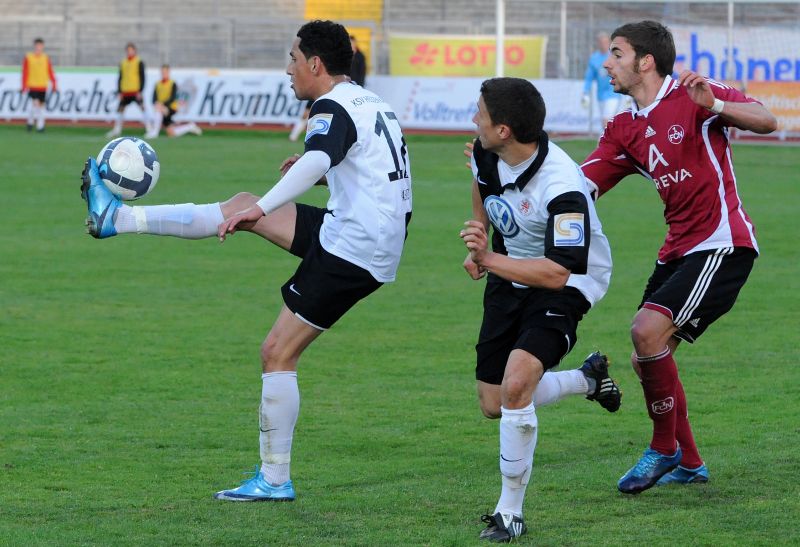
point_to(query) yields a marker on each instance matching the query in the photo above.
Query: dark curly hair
(516, 103)
(330, 42)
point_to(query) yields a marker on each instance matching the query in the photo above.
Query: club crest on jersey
(501, 214)
(319, 124)
(663, 406)
(675, 134)
(525, 207)
(568, 230)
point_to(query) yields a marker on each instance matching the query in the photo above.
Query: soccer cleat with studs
(648, 470)
(684, 475)
(502, 527)
(606, 391)
(102, 204)
(257, 489)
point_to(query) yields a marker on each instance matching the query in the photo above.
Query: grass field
(130, 376)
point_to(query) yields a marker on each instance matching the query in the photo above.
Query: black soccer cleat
(606, 391)
(502, 527)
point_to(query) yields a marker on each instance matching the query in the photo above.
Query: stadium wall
(247, 97)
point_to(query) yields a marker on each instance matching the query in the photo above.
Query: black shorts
(128, 99)
(37, 95)
(544, 323)
(324, 286)
(167, 120)
(699, 288)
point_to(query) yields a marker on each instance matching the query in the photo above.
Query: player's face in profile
(299, 70)
(622, 66)
(484, 127)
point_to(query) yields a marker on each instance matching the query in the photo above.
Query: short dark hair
(38, 41)
(130, 44)
(516, 103)
(330, 42)
(650, 38)
(165, 65)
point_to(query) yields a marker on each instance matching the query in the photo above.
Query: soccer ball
(129, 167)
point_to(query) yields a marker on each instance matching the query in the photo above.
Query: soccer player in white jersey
(549, 263)
(676, 136)
(348, 250)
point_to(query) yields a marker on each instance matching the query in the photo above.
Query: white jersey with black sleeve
(369, 178)
(542, 209)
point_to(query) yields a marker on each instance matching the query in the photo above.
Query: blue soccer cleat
(257, 489)
(645, 474)
(102, 204)
(684, 475)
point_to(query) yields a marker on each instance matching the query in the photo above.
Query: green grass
(130, 377)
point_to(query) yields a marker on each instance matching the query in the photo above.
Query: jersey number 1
(400, 172)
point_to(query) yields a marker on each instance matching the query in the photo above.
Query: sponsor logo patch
(568, 230)
(501, 214)
(525, 207)
(318, 124)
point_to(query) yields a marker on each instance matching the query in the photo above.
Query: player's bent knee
(274, 356)
(491, 411)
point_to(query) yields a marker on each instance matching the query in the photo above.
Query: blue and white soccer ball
(129, 167)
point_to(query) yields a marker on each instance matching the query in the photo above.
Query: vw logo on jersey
(501, 214)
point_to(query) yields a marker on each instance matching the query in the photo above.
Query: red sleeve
(52, 74)
(25, 73)
(608, 164)
(725, 93)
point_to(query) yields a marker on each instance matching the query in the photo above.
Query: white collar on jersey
(668, 85)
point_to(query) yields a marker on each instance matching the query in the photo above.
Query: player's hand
(468, 148)
(248, 216)
(287, 164)
(476, 240)
(697, 88)
(475, 272)
(585, 101)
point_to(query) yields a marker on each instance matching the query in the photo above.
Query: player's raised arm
(751, 116)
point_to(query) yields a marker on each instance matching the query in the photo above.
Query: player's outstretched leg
(257, 489)
(606, 391)
(102, 204)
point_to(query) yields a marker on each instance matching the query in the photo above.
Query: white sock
(280, 405)
(157, 120)
(179, 130)
(554, 386)
(40, 117)
(186, 220)
(31, 114)
(118, 123)
(518, 432)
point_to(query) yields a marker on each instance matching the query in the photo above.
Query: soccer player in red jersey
(676, 135)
